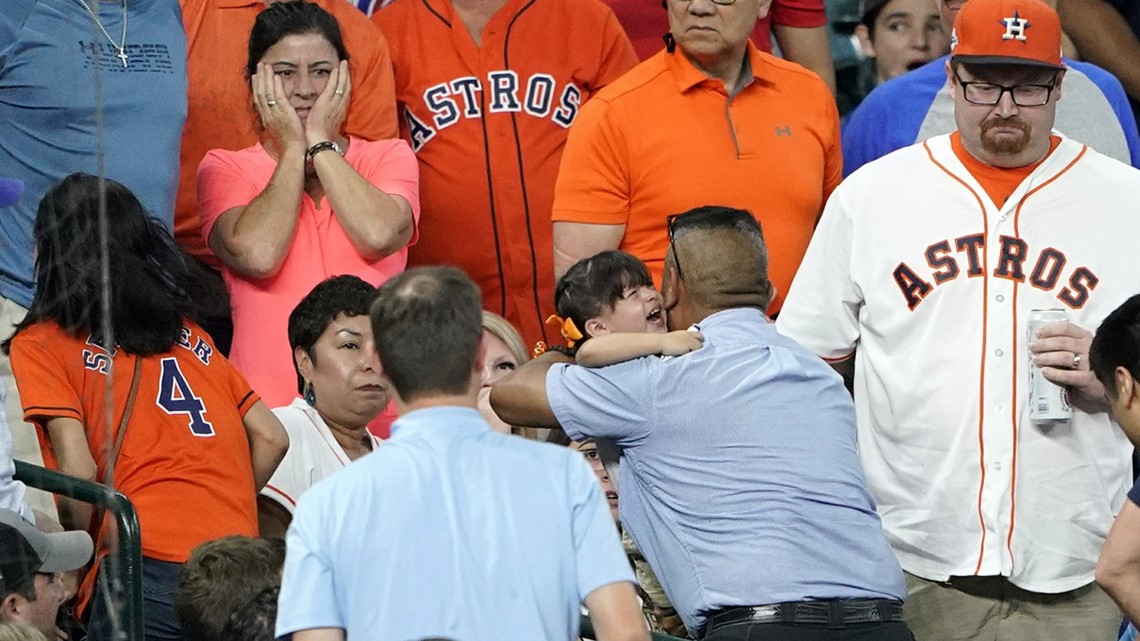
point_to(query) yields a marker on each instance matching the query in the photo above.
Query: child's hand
(680, 342)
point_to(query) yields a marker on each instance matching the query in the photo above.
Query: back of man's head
(719, 254)
(221, 576)
(1117, 345)
(427, 323)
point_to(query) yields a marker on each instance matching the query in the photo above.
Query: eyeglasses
(989, 94)
(671, 222)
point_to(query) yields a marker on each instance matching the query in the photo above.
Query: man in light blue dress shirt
(450, 529)
(740, 479)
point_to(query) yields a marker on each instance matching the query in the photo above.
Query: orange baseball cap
(1020, 32)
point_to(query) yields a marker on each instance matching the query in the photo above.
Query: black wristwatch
(322, 146)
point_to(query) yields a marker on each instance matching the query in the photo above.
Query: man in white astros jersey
(921, 278)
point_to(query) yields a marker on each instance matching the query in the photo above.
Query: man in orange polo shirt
(220, 105)
(487, 90)
(709, 121)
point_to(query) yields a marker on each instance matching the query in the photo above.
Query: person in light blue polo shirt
(740, 479)
(450, 529)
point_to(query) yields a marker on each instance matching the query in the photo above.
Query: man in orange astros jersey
(486, 92)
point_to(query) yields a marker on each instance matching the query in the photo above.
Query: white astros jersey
(913, 265)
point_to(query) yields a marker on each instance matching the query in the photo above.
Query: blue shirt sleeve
(308, 593)
(863, 135)
(597, 547)
(1114, 92)
(1134, 493)
(890, 117)
(614, 402)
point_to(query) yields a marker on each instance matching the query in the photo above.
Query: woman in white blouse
(338, 377)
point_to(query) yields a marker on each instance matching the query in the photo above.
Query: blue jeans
(160, 578)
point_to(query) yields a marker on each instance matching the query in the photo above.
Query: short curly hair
(220, 576)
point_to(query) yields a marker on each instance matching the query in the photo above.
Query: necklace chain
(122, 46)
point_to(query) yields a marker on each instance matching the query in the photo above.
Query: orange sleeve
(372, 108)
(618, 54)
(243, 395)
(593, 177)
(42, 379)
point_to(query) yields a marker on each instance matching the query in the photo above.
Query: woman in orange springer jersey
(184, 437)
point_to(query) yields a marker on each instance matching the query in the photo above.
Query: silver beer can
(1048, 402)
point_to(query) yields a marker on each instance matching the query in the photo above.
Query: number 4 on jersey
(176, 397)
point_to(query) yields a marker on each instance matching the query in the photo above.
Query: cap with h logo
(1018, 32)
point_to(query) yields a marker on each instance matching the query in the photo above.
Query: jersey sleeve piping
(838, 359)
(247, 402)
(276, 494)
(48, 411)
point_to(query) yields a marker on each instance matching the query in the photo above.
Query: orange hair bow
(567, 327)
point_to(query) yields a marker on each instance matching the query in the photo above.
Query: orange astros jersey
(185, 460)
(488, 123)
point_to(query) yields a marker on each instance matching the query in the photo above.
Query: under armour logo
(786, 130)
(1015, 27)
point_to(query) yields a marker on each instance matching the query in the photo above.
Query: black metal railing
(124, 566)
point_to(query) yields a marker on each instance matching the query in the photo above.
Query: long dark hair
(153, 284)
(282, 19)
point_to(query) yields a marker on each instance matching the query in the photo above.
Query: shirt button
(999, 298)
(997, 466)
(998, 352)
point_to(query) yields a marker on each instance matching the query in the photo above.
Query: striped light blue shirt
(740, 479)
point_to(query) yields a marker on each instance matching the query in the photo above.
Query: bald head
(722, 259)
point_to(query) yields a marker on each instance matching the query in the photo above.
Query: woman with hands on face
(306, 202)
